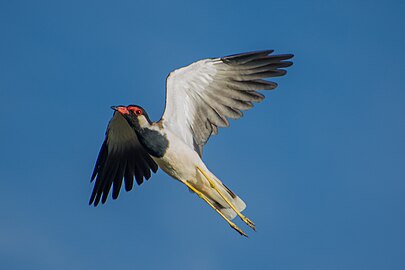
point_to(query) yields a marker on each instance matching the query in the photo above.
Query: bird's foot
(249, 222)
(236, 228)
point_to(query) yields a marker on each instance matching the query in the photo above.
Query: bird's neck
(151, 136)
(141, 123)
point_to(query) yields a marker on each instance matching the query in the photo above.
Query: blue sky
(320, 163)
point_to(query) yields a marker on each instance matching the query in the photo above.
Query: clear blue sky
(320, 163)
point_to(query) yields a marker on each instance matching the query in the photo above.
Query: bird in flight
(200, 98)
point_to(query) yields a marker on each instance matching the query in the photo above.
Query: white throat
(143, 122)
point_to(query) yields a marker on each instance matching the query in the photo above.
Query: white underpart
(143, 122)
(181, 161)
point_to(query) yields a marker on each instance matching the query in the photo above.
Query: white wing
(202, 96)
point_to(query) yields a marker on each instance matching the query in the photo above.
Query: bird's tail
(236, 201)
(219, 202)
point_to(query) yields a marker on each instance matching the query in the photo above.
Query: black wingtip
(289, 55)
(248, 54)
(93, 195)
(256, 56)
(91, 201)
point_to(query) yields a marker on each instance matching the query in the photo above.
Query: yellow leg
(242, 217)
(202, 196)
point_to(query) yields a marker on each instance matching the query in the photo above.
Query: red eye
(136, 110)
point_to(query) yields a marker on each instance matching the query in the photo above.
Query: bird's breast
(154, 142)
(179, 160)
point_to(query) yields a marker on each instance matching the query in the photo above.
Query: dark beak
(114, 108)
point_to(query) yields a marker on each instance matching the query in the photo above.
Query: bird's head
(135, 115)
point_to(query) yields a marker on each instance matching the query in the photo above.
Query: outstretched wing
(121, 157)
(202, 96)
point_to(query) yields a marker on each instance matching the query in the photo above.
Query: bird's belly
(180, 161)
